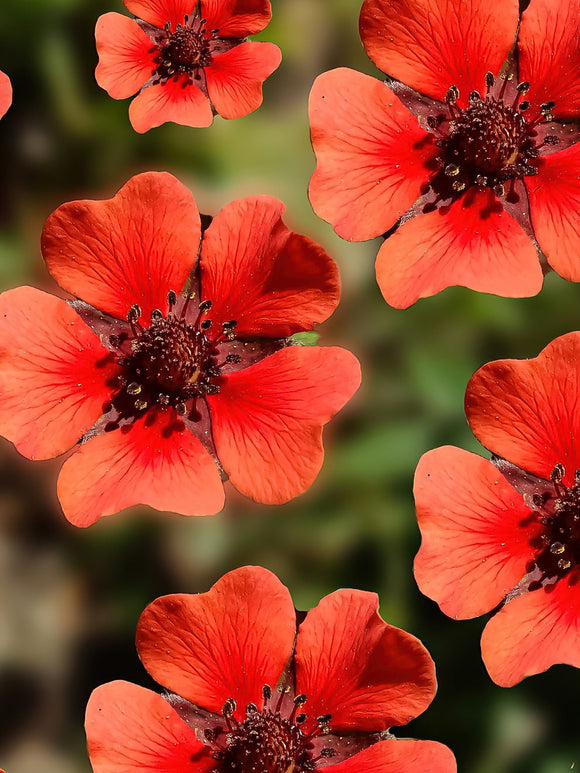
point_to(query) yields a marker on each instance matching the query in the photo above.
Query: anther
(324, 719)
(546, 107)
(140, 405)
(206, 324)
(557, 474)
(557, 548)
(452, 95)
(458, 186)
(301, 718)
(134, 313)
(300, 700)
(499, 190)
(451, 170)
(229, 707)
(181, 408)
(133, 388)
(171, 299)
(474, 96)
(524, 106)
(251, 708)
(489, 80)
(230, 324)
(204, 306)
(523, 87)
(266, 692)
(155, 315)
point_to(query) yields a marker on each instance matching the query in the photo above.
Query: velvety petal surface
(131, 729)
(474, 243)
(5, 93)
(126, 55)
(256, 271)
(236, 18)
(267, 419)
(53, 373)
(234, 79)
(160, 464)
(226, 643)
(351, 664)
(131, 249)
(526, 410)
(554, 195)
(533, 632)
(171, 101)
(399, 757)
(474, 548)
(159, 12)
(432, 44)
(549, 55)
(371, 154)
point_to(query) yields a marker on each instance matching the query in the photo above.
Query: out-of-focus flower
(158, 388)
(188, 59)
(508, 532)
(5, 96)
(251, 694)
(469, 167)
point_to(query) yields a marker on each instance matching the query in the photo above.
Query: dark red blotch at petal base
(404, 756)
(5, 93)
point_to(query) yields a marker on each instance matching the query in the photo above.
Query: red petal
(474, 549)
(159, 464)
(368, 675)
(371, 154)
(554, 195)
(53, 373)
(533, 632)
(126, 55)
(234, 79)
(5, 93)
(478, 246)
(267, 419)
(131, 729)
(255, 270)
(549, 55)
(131, 249)
(432, 44)
(236, 18)
(159, 12)
(526, 410)
(396, 756)
(226, 643)
(176, 101)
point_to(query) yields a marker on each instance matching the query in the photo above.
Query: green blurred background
(70, 599)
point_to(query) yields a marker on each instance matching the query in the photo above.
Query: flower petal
(157, 463)
(126, 55)
(526, 410)
(176, 101)
(226, 643)
(236, 18)
(5, 93)
(131, 249)
(131, 729)
(234, 78)
(549, 55)
(53, 373)
(533, 632)
(267, 419)
(372, 155)
(394, 756)
(433, 44)
(159, 12)
(368, 675)
(474, 548)
(473, 243)
(554, 195)
(272, 281)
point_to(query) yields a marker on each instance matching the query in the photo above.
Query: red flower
(468, 170)
(5, 98)
(249, 694)
(509, 531)
(159, 385)
(188, 59)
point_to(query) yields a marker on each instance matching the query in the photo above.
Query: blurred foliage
(70, 599)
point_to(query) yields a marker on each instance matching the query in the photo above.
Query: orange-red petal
(236, 18)
(476, 245)
(131, 249)
(226, 643)
(5, 93)
(126, 55)
(432, 44)
(549, 55)
(395, 756)
(53, 373)
(533, 632)
(526, 411)
(235, 78)
(474, 549)
(272, 281)
(351, 664)
(159, 12)
(371, 154)
(178, 101)
(131, 729)
(159, 463)
(267, 419)
(554, 195)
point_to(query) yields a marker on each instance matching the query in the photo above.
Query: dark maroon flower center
(183, 51)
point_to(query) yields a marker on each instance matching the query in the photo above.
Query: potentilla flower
(188, 59)
(470, 170)
(5, 93)
(177, 364)
(249, 693)
(507, 531)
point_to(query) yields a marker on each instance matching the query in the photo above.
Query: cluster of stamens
(183, 51)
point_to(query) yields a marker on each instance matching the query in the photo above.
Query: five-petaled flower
(5, 93)
(186, 363)
(470, 167)
(509, 531)
(188, 59)
(251, 694)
